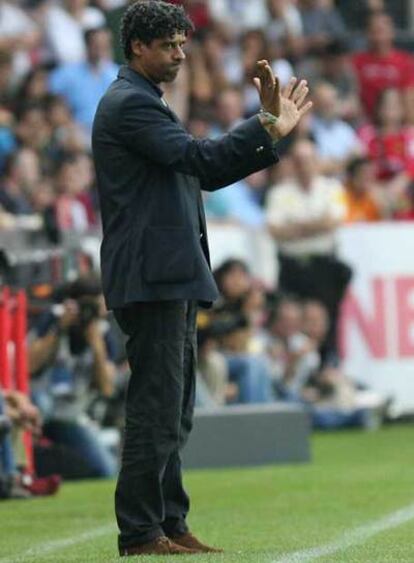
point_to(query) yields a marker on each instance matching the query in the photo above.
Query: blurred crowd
(58, 57)
(351, 160)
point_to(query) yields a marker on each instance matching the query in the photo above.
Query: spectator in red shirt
(388, 141)
(382, 66)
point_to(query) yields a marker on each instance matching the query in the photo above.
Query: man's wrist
(269, 121)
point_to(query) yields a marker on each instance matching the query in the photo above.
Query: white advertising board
(377, 321)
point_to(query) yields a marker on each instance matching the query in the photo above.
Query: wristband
(271, 119)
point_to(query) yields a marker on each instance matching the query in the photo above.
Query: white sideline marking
(352, 537)
(51, 546)
(348, 539)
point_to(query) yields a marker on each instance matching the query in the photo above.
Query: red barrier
(14, 372)
(19, 338)
(6, 379)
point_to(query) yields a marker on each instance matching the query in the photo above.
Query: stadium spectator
(32, 129)
(292, 354)
(360, 201)
(241, 204)
(70, 360)
(213, 385)
(6, 79)
(67, 136)
(284, 27)
(19, 36)
(248, 370)
(303, 214)
(9, 488)
(255, 46)
(21, 174)
(389, 142)
(83, 84)
(321, 23)
(239, 315)
(18, 414)
(382, 66)
(336, 141)
(239, 15)
(34, 87)
(229, 110)
(42, 201)
(73, 202)
(406, 210)
(233, 280)
(336, 400)
(307, 370)
(65, 25)
(335, 67)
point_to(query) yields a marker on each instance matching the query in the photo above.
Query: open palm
(288, 105)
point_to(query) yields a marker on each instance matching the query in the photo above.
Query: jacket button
(259, 149)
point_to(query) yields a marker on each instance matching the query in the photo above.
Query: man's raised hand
(267, 85)
(288, 105)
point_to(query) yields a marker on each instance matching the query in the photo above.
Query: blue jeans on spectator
(329, 419)
(7, 461)
(203, 398)
(325, 418)
(83, 438)
(251, 374)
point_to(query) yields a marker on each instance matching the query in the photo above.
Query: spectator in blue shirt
(241, 203)
(336, 141)
(83, 84)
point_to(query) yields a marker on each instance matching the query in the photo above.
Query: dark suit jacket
(150, 172)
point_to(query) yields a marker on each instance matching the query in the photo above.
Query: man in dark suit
(155, 258)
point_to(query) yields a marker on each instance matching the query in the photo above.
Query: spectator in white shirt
(285, 26)
(239, 14)
(65, 26)
(19, 36)
(303, 214)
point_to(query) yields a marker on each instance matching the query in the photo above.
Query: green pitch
(353, 503)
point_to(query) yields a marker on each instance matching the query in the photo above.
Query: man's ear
(137, 47)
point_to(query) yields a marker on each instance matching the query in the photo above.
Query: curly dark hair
(147, 20)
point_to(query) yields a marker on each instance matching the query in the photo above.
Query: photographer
(70, 359)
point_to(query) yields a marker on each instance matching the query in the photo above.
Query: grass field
(353, 503)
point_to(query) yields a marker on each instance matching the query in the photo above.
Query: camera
(88, 311)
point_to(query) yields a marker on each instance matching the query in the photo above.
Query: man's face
(364, 178)
(162, 58)
(288, 321)
(229, 107)
(326, 101)
(315, 322)
(381, 31)
(305, 161)
(99, 46)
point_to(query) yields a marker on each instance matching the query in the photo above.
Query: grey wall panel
(246, 435)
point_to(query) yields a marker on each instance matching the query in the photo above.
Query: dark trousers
(150, 500)
(324, 278)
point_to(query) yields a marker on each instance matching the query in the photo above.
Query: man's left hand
(287, 105)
